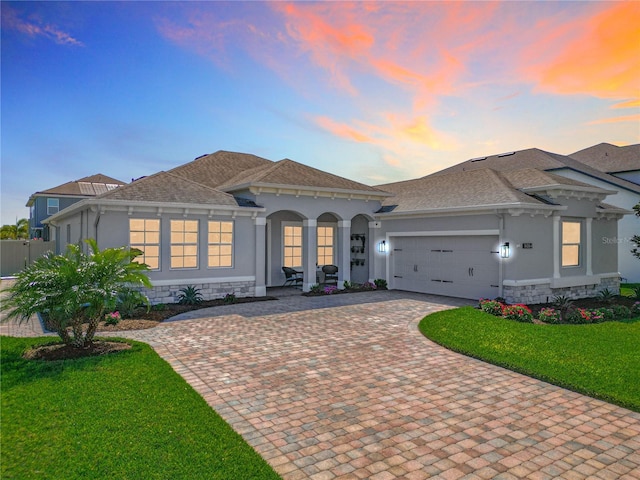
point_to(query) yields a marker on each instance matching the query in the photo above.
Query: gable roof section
(533, 179)
(540, 160)
(218, 168)
(166, 187)
(610, 158)
(456, 190)
(291, 174)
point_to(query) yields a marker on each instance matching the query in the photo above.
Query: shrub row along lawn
(601, 360)
(126, 415)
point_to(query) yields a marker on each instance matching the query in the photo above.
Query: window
(325, 246)
(570, 244)
(144, 234)
(292, 246)
(220, 244)
(53, 206)
(184, 244)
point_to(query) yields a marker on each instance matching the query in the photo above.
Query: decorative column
(309, 252)
(261, 251)
(589, 246)
(556, 246)
(343, 245)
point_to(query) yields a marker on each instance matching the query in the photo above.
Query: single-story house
(229, 222)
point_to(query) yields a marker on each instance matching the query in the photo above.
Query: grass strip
(601, 360)
(126, 415)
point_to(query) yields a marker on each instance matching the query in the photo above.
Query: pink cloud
(620, 119)
(34, 28)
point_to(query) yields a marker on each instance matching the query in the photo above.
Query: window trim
(233, 242)
(282, 250)
(184, 244)
(333, 242)
(49, 207)
(570, 244)
(159, 244)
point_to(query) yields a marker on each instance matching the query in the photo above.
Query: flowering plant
(584, 315)
(549, 315)
(518, 312)
(492, 307)
(369, 286)
(328, 290)
(112, 318)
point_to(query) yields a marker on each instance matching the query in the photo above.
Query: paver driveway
(323, 388)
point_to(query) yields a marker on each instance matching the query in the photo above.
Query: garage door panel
(461, 266)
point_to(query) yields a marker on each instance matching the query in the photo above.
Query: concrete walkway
(346, 387)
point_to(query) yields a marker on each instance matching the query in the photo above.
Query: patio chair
(293, 278)
(330, 274)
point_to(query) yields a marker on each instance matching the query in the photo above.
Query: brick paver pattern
(346, 387)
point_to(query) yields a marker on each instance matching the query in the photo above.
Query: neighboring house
(624, 166)
(49, 202)
(228, 222)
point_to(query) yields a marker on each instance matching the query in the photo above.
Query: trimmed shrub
(635, 308)
(621, 311)
(549, 315)
(380, 283)
(492, 307)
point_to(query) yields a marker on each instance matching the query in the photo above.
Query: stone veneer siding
(543, 293)
(209, 291)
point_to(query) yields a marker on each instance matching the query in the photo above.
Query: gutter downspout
(95, 227)
(500, 242)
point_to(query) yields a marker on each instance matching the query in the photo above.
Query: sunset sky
(376, 92)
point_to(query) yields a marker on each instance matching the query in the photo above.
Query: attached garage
(456, 266)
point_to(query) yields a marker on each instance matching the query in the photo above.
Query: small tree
(76, 288)
(15, 232)
(636, 238)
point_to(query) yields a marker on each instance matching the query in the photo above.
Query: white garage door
(464, 266)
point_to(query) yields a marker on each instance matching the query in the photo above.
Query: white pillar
(261, 286)
(589, 246)
(344, 252)
(309, 253)
(556, 246)
(372, 251)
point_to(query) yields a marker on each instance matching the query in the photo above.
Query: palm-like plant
(75, 288)
(14, 232)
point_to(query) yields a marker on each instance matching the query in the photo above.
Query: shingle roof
(531, 178)
(610, 158)
(217, 168)
(87, 186)
(476, 188)
(291, 173)
(538, 159)
(167, 187)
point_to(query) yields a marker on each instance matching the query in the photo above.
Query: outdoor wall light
(504, 250)
(382, 246)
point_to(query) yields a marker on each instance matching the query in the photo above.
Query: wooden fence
(15, 255)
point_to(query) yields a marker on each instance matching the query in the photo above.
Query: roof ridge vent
(478, 159)
(506, 154)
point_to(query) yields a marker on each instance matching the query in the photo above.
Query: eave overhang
(307, 191)
(157, 208)
(513, 209)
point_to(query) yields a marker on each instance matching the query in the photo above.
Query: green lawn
(601, 360)
(126, 415)
(626, 289)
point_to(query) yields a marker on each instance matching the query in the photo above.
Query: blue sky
(376, 92)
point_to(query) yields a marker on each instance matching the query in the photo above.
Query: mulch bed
(60, 351)
(589, 303)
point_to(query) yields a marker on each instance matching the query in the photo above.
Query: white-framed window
(184, 244)
(292, 245)
(220, 244)
(325, 245)
(53, 206)
(144, 234)
(571, 239)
